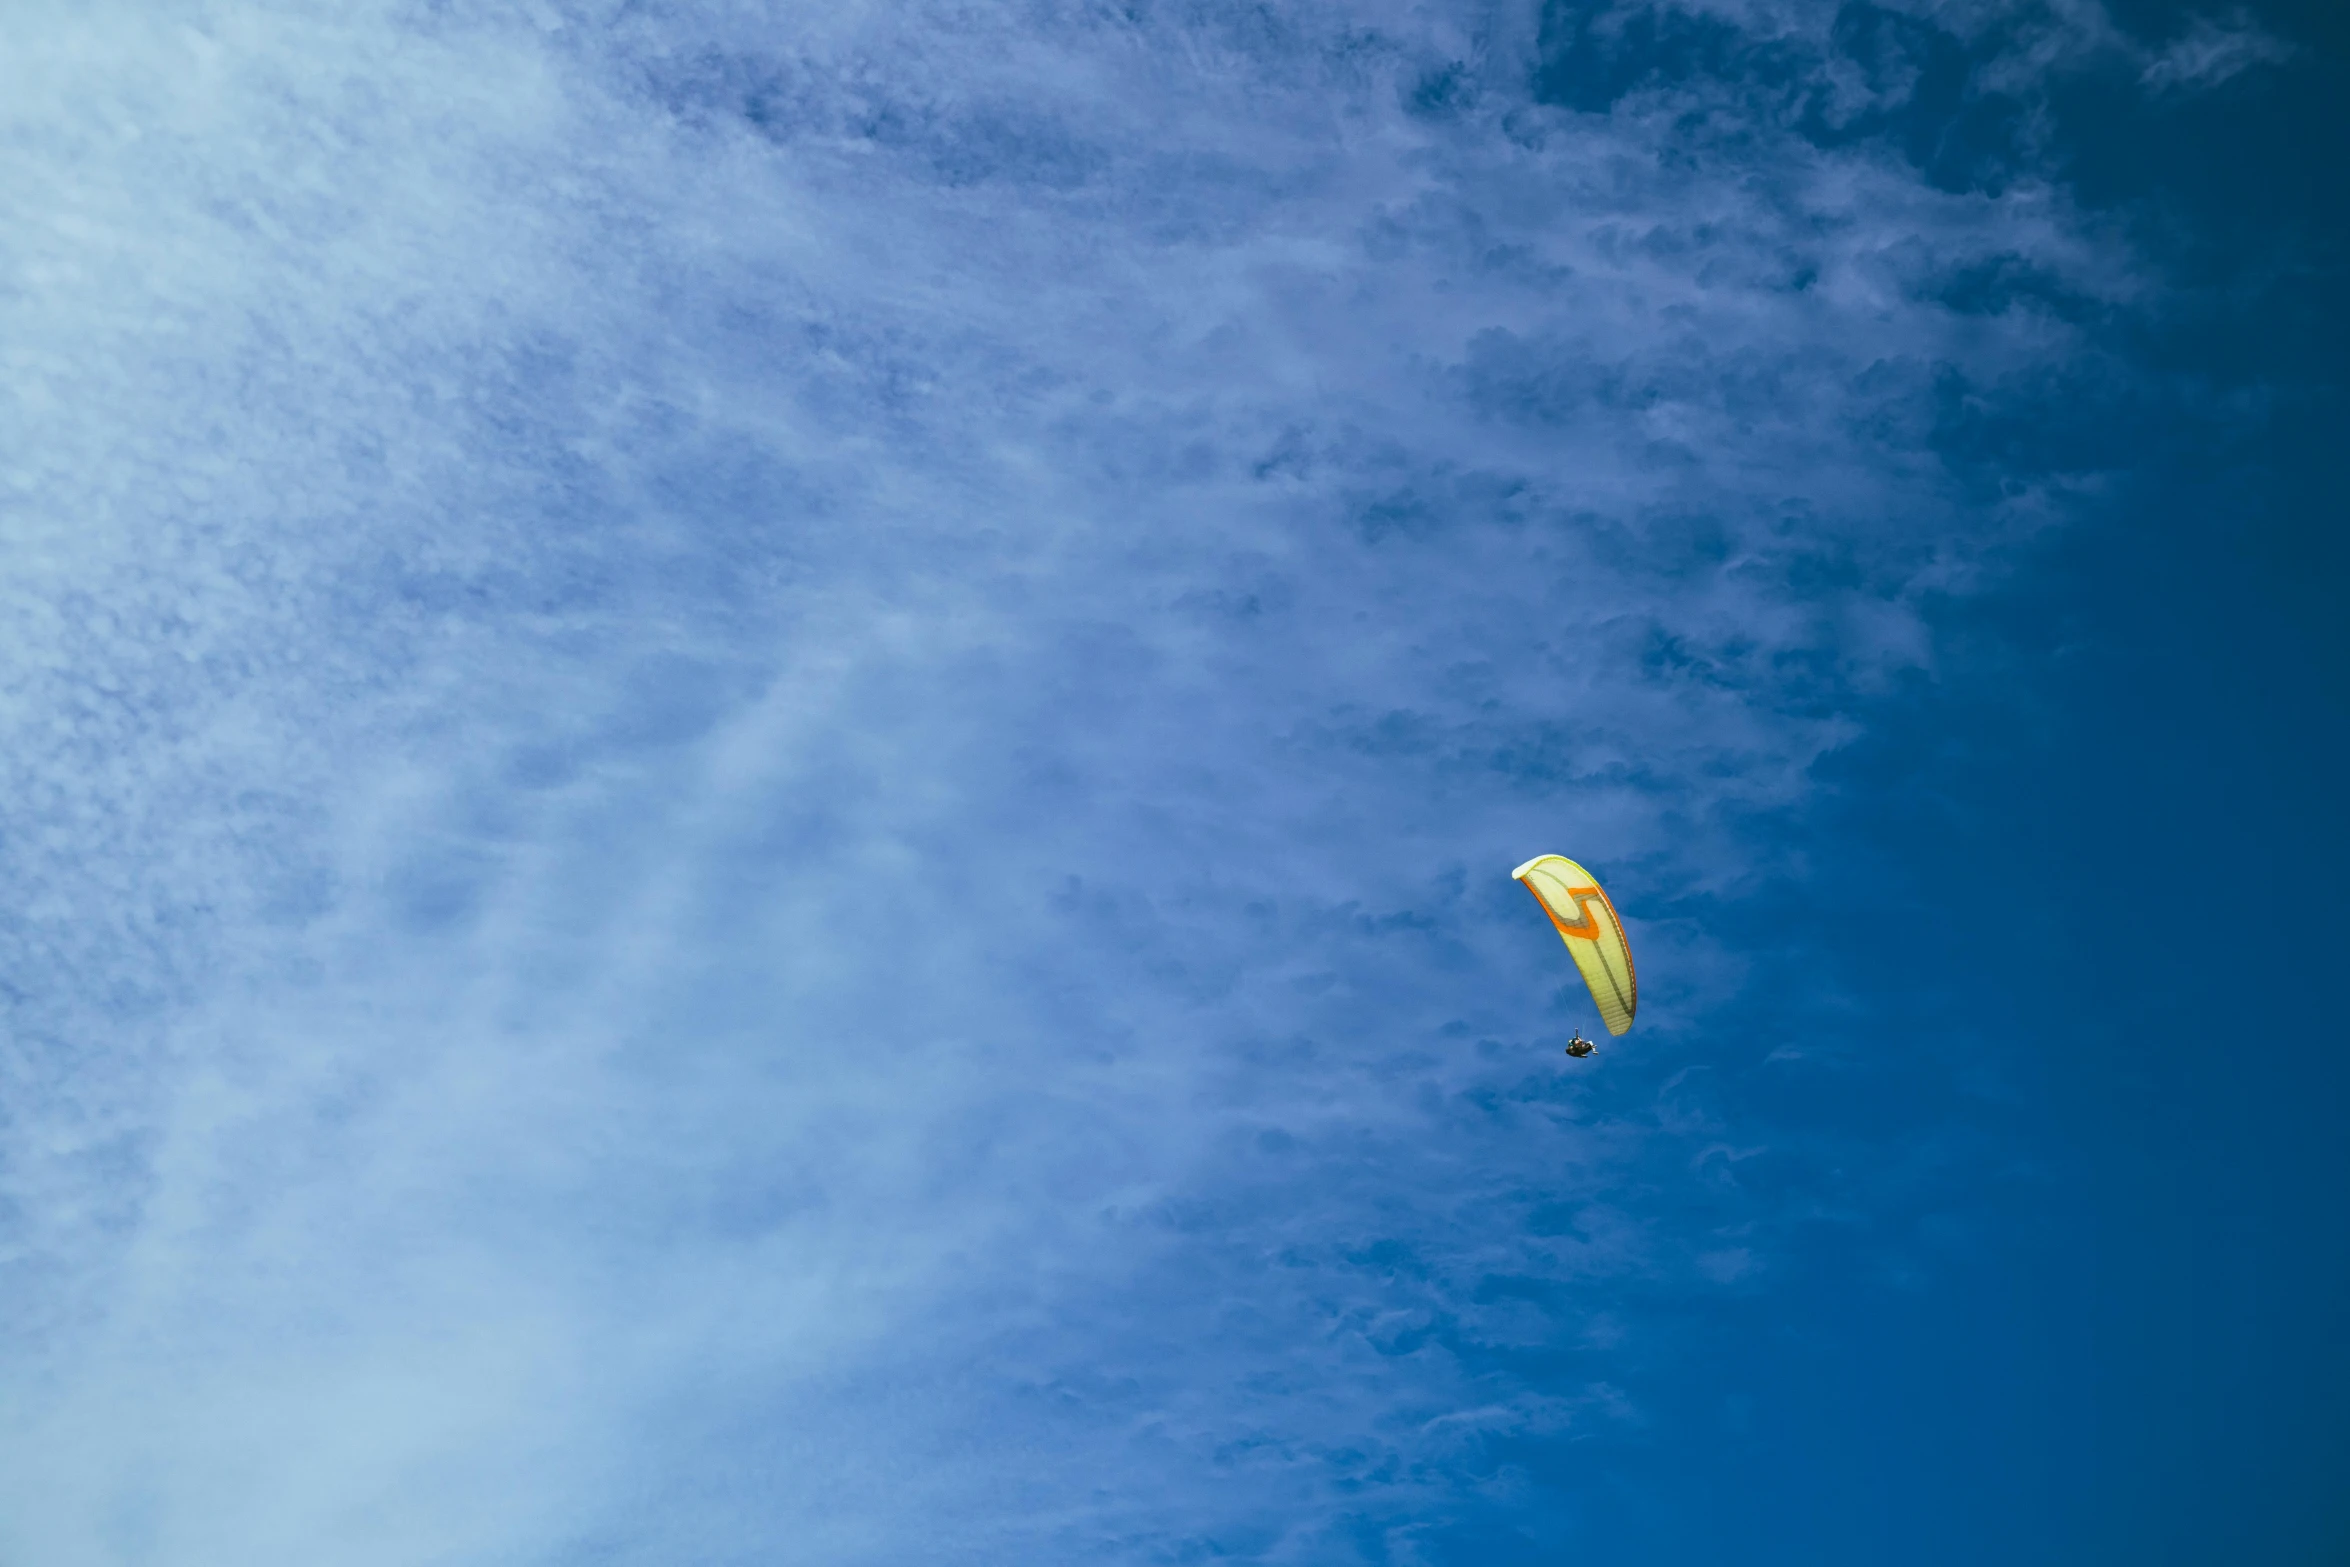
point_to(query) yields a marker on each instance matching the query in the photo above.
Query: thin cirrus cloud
(761, 766)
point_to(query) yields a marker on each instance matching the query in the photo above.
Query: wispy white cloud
(760, 766)
(2211, 52)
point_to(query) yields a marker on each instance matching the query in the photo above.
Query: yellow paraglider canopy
(1587, 923)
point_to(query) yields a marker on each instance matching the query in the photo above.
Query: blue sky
(762, 762)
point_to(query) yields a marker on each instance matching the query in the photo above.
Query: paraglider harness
(1579, 1046)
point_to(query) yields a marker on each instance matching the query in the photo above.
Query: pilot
(1579, 1046)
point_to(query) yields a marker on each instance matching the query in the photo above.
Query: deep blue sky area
(758, 764)
(2134, 1344)
(2153, 749)
(2090, 875)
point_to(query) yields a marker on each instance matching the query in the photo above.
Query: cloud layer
(761, 766)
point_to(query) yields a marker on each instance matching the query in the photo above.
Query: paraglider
(1587, 923)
